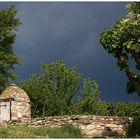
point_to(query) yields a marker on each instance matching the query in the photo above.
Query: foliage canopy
(8, 28)
(123, 42)
(54, 91)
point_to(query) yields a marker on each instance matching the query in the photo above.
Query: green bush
(89, 94)
(102, 108)
(133, 130)
(133, 109)
(120, 109)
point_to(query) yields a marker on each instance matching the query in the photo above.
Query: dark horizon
(70, 31)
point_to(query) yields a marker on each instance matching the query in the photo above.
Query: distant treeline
(103, 108)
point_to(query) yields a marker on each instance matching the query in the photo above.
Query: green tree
(52, 91)
(123, 42)
(88, 96)
(60, 90)
(8, 28)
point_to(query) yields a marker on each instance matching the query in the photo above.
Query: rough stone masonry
(14, 104)
(90, 125)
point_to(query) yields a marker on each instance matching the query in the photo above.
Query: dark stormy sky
(70, 31)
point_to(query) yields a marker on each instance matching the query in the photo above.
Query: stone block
(70, 121)
(90, 127)
(111, 125)
(82, 127)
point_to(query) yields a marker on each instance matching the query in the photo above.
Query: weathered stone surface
(94, 128)
(90, 127)
(16, 93)
(70, 121)
(82, 127)
(19, 103)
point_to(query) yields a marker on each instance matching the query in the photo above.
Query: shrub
(120, 109)
(102, 108)
(89, 94)
(134, 128)
(133, 109)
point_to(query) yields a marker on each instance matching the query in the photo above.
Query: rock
(70, 121)
(83, 127)
(112, 125)
(90, 127)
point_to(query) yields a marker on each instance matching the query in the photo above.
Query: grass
(65, 131)
(20, 131)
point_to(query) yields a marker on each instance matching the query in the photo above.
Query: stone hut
(14, 104)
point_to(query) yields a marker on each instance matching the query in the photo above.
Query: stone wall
(20, 110)
(91, 126)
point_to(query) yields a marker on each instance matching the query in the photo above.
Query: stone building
(14, 104)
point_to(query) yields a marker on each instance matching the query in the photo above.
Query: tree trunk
(137, 87)
(136, 57)
(135, 82)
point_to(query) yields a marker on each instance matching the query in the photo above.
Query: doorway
(5, 111)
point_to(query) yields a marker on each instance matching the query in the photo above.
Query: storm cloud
(70, 31)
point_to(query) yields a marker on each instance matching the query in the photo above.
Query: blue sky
(70, 31)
